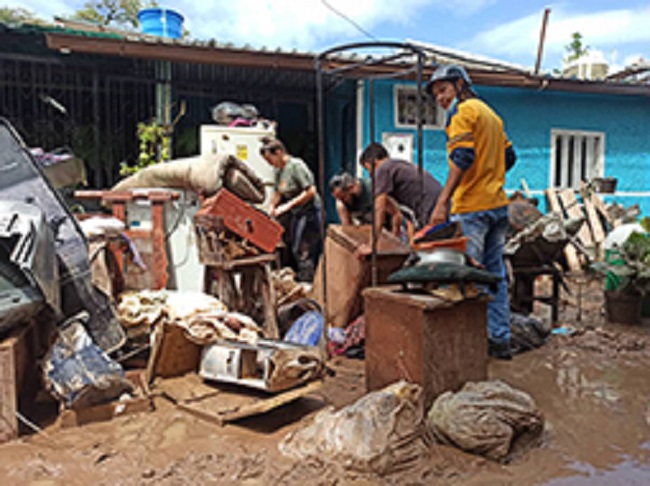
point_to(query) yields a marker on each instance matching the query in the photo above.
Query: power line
(345, 17)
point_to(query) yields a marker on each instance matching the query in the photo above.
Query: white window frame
(441, 115)
(587, 145)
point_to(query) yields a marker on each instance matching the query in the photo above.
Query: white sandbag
(487, 418)
(204, 175)
(380, 432)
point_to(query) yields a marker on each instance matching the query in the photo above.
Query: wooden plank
(600, 206)
(572, 208)
(17, 376)
(552, 200)
(172, 354)
(106, 411)
(223, 414)
(8, 389)
(592, 215)
(570, 252)
(596, 228)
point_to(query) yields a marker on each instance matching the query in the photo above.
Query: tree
(575, 49)
(118, 13)
(17, 16)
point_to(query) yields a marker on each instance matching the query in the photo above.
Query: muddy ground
(594, 389)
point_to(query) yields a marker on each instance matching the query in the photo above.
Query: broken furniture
(423, 339)
(236, 244)
(348, 274)
(155, 235)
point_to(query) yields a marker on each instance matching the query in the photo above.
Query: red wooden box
(244, 220)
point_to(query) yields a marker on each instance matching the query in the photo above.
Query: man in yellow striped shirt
(479, 155)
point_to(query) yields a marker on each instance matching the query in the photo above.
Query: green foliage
(118, 13)
(575, 49)
(630, 270)
(155, 144)
(17, 16)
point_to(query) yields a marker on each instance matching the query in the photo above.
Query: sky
(506, 30)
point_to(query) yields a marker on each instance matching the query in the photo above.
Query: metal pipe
(370, 61)
(373, 256)
(320, 127)
(542, 36)
(418, 119)
(369, 45)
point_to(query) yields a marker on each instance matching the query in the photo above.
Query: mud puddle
(594, 389)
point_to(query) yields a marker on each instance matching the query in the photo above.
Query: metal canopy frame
(326, 66)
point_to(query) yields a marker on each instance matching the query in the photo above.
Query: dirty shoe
(499, 350)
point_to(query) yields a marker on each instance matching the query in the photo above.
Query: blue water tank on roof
(162, 22)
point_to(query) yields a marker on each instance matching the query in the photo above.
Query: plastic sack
(204, 175)
(526, 333)
(78, 372)
(381, 432)
(489, 418)
(307, 329)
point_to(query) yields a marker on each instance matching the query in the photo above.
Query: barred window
(576, 156)
(405, 98)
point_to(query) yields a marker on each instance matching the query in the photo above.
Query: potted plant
(627, 278)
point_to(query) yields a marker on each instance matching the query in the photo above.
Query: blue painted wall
(529, 116)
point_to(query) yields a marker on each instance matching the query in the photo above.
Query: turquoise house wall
(529, 116)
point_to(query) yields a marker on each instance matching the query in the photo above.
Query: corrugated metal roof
(105, 41)
(446, 55)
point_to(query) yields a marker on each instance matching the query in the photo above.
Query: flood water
(596, 399)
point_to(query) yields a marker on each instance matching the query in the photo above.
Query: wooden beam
(570, 251)
(572, 208)
(592, 215)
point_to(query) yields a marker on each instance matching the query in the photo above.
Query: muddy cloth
(354, 343)
(381, 432)
(526, 333)
(489, 418)
(443, 273)
(203, 317)
(22, 180)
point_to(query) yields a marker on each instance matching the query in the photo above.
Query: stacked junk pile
(176, 294)
(100, 312)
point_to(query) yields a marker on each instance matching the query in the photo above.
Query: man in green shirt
(296, 204)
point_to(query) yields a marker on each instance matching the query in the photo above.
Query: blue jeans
(487, 236)
(306, 240)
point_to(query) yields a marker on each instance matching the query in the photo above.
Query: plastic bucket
(161, 22)
(623, 308)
